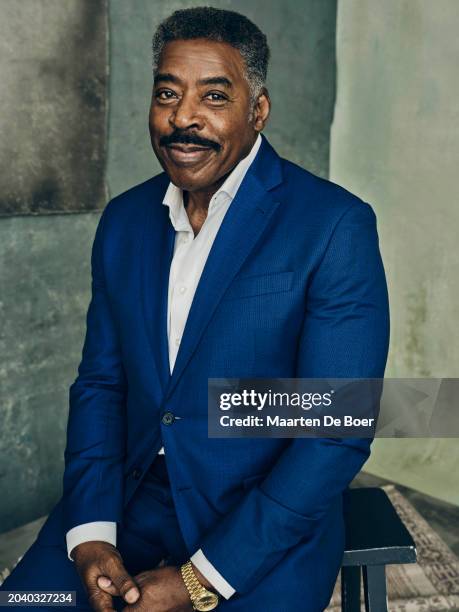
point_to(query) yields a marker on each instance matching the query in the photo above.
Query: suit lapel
(157, 252)
(243, 225)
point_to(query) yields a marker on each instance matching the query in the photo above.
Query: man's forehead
(202, 58)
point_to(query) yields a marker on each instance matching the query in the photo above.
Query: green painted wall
(52, 155)
(395, 142)
(44, 261)
(44, 284)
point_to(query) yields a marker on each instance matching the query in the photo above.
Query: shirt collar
(174, 195)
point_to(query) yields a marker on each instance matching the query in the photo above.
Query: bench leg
(374, 588)
(350, 589)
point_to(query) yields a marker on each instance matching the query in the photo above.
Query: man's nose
(186, 114)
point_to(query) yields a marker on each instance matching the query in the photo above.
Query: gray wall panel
(53, 78)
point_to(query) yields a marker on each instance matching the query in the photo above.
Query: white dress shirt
(190, 256)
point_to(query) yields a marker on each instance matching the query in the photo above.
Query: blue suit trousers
(151, 535)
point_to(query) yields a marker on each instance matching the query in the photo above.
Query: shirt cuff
(211, 574)
(102, 531)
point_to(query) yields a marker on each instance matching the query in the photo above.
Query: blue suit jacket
(293, 287)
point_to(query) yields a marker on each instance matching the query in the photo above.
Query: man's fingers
(122, 581)
(132, 595)
(100, 601)
(107, 585)
(104, 583)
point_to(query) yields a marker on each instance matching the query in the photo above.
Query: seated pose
(231, 263)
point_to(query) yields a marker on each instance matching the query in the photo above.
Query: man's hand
(162, 590)
(101, 569)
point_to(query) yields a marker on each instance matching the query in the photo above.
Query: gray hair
(222, 26)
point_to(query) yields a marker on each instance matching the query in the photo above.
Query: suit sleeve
(345, 335)
(94, 454)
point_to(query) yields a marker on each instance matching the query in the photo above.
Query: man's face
(202, 120)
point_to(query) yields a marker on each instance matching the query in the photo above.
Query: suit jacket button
(136, 473)
(168, 418)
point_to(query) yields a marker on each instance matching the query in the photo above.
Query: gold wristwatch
(201, 598)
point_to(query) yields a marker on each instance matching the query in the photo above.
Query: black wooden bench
(375, 537)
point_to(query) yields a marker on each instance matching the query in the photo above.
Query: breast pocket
(262, 284)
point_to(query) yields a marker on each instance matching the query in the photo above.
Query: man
(231, 263)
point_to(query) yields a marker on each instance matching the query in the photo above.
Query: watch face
(209, 601)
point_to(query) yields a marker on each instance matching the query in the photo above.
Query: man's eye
(165, 95)
(213, 96)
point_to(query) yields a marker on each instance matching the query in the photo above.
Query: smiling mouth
(187, 154)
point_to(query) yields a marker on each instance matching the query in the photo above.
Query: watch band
(201, 598)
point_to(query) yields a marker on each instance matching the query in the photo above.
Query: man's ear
(261, 110)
